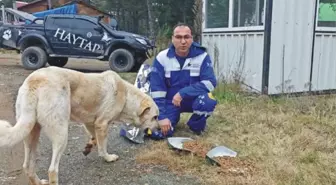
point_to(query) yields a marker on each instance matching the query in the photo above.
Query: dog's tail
(9, 135)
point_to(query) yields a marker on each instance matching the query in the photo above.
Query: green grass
(290, 140)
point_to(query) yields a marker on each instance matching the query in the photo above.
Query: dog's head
(148, 113)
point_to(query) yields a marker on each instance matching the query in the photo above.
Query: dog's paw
(44, 182)
(93, 141)
(87, 149)
(111, 158)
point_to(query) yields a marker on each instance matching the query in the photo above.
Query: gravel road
(75, 168)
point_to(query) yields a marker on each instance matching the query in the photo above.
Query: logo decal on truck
(89, 35)
(7, 34)
(73, 39)
(106, 38)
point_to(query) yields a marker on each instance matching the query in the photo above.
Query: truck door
(89, 38)
(58, 31)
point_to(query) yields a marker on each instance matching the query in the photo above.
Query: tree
(198, 19)
(150, 19)
(145, 17)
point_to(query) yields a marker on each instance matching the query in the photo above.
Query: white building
(273, 46)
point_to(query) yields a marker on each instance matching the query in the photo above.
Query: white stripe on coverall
(208, 85)
(158, 94)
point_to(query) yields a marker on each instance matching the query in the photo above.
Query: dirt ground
(75, 168)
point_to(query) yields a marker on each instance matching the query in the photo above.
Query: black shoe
(199, 133)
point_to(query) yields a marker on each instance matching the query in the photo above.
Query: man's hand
(165, 126)
(177, 100)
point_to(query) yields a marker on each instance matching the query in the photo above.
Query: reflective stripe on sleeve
(158, 94)
(208, 85)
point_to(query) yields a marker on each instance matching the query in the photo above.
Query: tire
(34, 58)
(121, 60)
(136, 68)
(58, 61)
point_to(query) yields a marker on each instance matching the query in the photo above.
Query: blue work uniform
(193, 77)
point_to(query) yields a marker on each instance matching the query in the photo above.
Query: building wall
(302, 56)
(82, 9)
(61, 2)
(37, 7)
(324, 63)
(291, 46)
(238, 56)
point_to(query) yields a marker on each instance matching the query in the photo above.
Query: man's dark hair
(182, 24)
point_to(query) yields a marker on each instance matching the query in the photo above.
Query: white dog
(51, 97)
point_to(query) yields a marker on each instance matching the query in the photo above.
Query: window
(64, 23)
(217, 13)
(248, 13)
(85, 25)
(326, 13)
(234, 13)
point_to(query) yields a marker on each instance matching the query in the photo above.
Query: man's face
(182, 39)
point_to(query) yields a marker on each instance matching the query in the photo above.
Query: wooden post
(49, 4)
(14, 5)
(4, 20)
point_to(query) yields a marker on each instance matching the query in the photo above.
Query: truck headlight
(142, 41)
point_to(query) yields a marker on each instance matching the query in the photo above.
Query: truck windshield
(107, 25)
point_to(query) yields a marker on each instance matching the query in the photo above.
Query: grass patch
(130, 77)
(290, 140)
(7, 51)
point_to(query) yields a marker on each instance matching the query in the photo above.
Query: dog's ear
(145, 106)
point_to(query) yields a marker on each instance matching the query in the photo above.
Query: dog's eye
(155, 117)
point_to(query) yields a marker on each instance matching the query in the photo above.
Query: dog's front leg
(90, 129)
(101, 128)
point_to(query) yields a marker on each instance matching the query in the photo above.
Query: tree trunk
(150, 19)
(198, 14)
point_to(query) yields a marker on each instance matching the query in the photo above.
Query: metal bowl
(219, 151)
(132, 133)
(177, 142)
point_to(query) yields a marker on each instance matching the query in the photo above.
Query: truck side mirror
(100, 17)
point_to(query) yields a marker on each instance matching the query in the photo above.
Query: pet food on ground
(235, 166)
(228, 165)
(196, 147)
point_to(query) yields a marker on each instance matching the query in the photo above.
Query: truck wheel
(34, 58)
(136, 67)
(58, 61)
(121, 60)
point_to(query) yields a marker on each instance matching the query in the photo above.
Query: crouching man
(181, 80)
